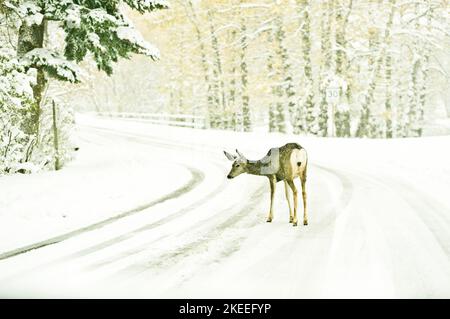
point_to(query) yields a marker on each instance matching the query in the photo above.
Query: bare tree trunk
(325, 48)
(342, 117)
(389, 84)
(365, 128)
(30, 38)
(423, 90)
(246, 115)
(211, 112)
(219, 85)
(286, 88)
(388, 102)
(307, 69)
(271, 75)
(231, 114)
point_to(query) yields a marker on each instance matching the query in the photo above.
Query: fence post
(55, 137)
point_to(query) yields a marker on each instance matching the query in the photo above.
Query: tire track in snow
(343, 201)
(419, 201)
(197, 178)
(210, 235)
(147, 227)
(434, 219)
(145, 246)
(438, 223)
(347, 185)
(177, 255)
(155, 141)
(170, 259)
(152, 225)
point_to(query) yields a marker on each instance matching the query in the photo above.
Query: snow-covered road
(371, 234)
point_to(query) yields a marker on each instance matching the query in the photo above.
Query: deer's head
(239, 164)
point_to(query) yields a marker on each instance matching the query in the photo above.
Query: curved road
(209, 239)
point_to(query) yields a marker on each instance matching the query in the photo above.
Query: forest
(335, 68)
(342, 68)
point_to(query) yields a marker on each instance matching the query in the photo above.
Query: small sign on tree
(332, 94)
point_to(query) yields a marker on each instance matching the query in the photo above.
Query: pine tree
(17, 138)
(90, 26)
(95, 27)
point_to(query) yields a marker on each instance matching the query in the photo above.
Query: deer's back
(293, 160)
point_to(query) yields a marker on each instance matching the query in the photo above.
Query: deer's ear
(229, 156)
(240, 154)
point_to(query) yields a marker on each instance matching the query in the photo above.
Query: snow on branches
(147, 5)
(104, 31)
(30, 13)
(51, 62)
(97, 29)
(15, 82)
(15, 97)
(135, 39)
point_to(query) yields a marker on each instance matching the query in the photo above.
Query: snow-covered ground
(106, 179)
(174, 226)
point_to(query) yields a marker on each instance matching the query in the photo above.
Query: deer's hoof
(269, 220)
(294, 223)
(291, 220)
(305, 222)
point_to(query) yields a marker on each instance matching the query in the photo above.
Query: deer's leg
(294, 190)
(286, 189)
(305, 216)
(272, 181)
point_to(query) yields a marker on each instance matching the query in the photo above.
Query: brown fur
(283, 163)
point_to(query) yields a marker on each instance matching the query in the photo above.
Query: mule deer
(283, 163)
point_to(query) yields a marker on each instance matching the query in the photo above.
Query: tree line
(245, 64)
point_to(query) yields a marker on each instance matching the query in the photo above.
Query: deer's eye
(237, 165)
